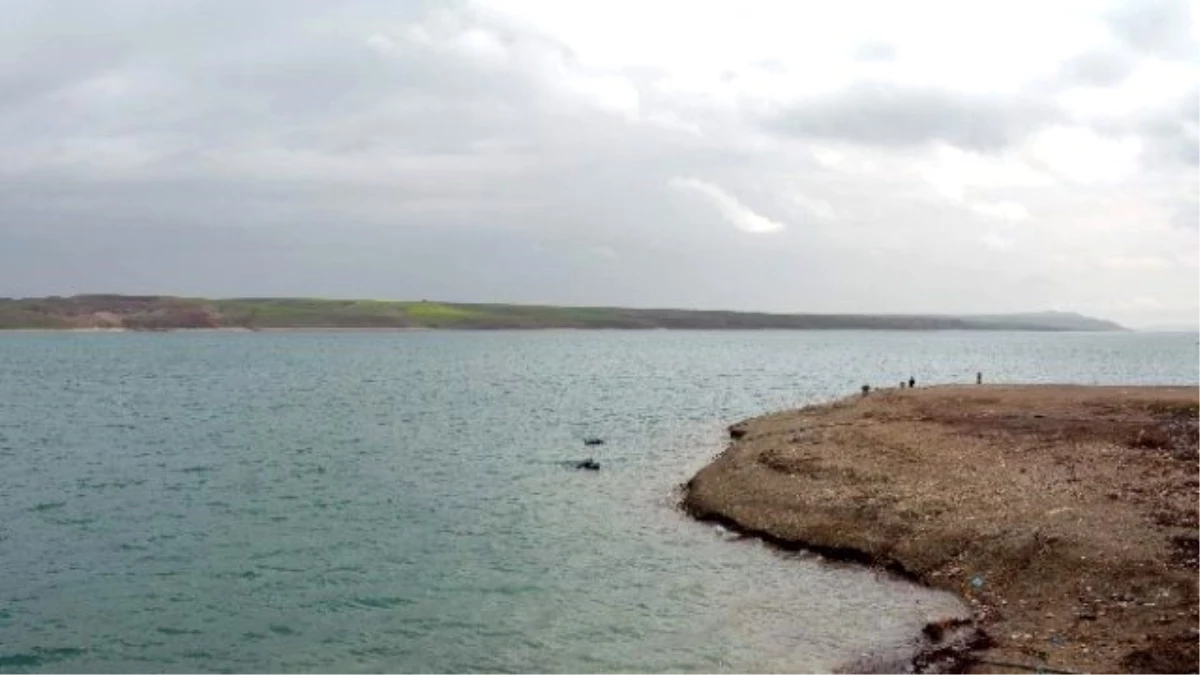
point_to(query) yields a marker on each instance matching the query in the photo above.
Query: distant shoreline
(1065, 516)
(219, 329)
(546, 329)
(163, 313)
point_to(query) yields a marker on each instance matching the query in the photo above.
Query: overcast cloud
(772, 155)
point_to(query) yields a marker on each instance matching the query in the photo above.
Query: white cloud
(606, 92)
(1081, 155)
(952, 172)
(672, 121)
(816, 207)
(996, 241)
(1000, 210)
(1135, 262)
(1155, 80)
(957, 176)
(737, 213)
(480, 44)
(828, 158)
(818, 44)
(538, 59)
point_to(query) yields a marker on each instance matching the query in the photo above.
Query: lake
(405, 501)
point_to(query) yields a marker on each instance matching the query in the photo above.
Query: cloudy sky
(782, 156)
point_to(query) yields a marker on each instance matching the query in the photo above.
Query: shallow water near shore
(405, 502)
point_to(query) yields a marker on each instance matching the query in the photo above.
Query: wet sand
(1066, 516)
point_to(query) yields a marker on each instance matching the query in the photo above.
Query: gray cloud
(439, 150)
(1100, 67)
(1156, 27)
(1169, 132)
(328, 168)
(877, 113)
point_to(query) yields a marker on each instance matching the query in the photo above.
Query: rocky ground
(1065, 515)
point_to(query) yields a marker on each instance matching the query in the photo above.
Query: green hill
(171, 313)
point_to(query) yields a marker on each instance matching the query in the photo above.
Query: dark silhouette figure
(588, 464)
(978, 378)
(912, 382)
(866, 389)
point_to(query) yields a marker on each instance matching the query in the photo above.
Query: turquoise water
(402, 501)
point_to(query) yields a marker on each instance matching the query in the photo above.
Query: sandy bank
(1066, 516)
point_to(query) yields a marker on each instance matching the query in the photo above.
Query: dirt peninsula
(1066, 516)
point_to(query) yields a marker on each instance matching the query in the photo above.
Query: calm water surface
(401, 501)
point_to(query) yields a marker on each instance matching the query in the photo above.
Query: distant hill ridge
(150, 313)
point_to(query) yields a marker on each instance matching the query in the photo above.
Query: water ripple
(407, 502)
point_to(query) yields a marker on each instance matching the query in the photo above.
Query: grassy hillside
(169, 313)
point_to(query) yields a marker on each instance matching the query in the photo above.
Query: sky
(770, 155)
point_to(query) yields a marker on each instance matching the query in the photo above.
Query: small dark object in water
(736, 432)
(912, 382)
(588, 464)
(593, 441)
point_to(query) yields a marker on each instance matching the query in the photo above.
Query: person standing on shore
(979, 378)
(912, 382)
